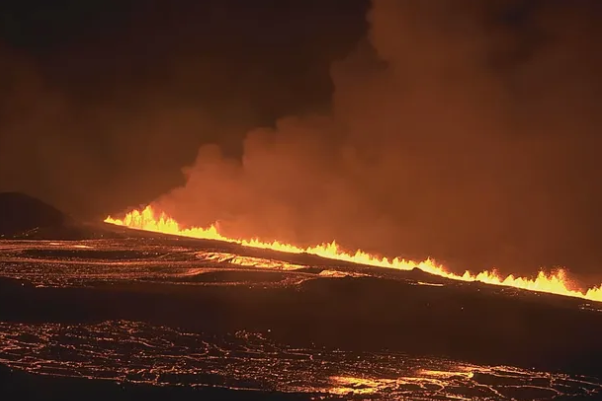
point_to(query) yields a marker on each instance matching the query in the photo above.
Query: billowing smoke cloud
(464, 130)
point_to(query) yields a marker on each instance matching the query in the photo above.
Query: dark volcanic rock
(20, 213)
(18, 385)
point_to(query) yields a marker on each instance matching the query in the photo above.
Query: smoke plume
(463, 130)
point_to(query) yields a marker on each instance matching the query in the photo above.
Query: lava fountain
(556, 282)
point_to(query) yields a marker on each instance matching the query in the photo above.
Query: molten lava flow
(555, 283)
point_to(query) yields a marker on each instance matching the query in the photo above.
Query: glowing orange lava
(555, 283)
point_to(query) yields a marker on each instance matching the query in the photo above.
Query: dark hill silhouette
(25, 217)
(20, 213)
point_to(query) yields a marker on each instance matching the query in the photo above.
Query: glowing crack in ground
(85, 263)
(129, 351)
(126, 351)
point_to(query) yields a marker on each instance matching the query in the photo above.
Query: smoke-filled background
(464, 130)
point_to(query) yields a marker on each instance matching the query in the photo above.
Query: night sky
(105, 101)
(464, 130)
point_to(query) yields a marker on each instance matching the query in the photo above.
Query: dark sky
(104, 101)
(465, 130)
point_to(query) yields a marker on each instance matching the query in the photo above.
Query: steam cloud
(464, 130)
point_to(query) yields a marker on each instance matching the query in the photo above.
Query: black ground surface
(16, 385)
(464, 321)
(349, 313)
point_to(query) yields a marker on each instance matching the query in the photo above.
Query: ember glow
(555, 283)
